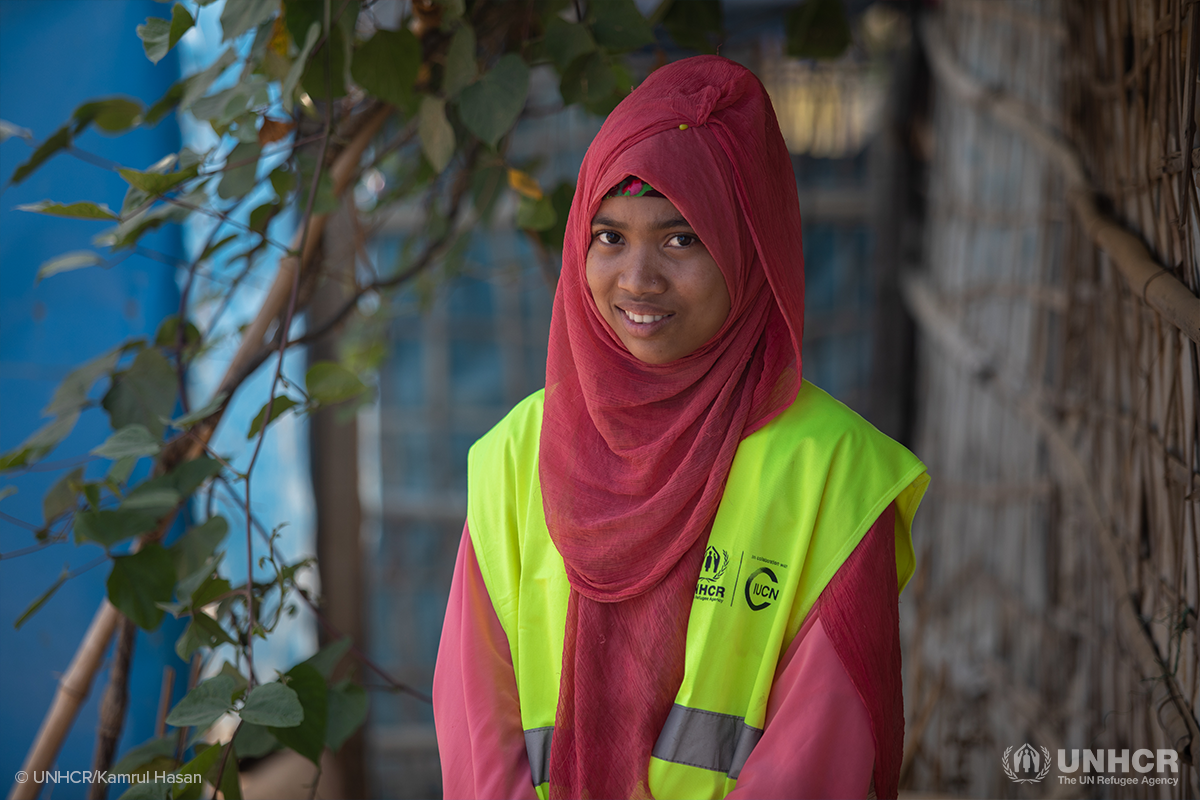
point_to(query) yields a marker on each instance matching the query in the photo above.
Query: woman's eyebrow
(658, 225)
(673, 222)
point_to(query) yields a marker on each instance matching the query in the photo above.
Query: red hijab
(634, 456)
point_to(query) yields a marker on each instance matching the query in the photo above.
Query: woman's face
(653, 279)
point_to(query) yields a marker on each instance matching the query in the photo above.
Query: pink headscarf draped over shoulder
(633, 456)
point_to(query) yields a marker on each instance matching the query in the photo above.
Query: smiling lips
(643, 319)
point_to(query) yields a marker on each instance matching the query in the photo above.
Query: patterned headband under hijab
(633, 186)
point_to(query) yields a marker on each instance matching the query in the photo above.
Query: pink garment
(817, 740)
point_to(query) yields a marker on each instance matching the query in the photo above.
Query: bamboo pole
(74, 687)
(1147, 278)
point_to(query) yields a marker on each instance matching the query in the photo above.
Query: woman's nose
(641, 274)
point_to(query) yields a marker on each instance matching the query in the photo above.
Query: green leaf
(560, 201)
(283, 181)
(262, 215)
(68, 262)
(164, 104)
(536, 215)
(143, 754)
(198, 84)
(41, 442)
(72, 210)
(288, 88)
(314, 79)
(131, 229)
(144, 394)
(567, 41)
(168, 331)
(59, 140)
(132, 440)
(139, 582)
(386, 66)
(7, 491)
(121, 469)
(326, 659)
(461, 67)
(817, 29)
(207, 593)
(619, 26)
(71, 394)
(204, 704)
(231, 784)
(273, 705)
(155, 183)
(437, 135)
(159, 35)
(192, 639)
(193, 550)
(692, 23)
(111, 114)
(214, 634)
(42, 599)
(308, 737)
(224, 107)
(156, 500)
(239, 17)
(490, 107)
(253, 741)
(239, 679)
(201, 764)
(60, 498)
(278, 406)
(328, 382)
(190, 475)
(200, 414)
(588, 80)
(241, 170)
(347, 712)
(109, 526)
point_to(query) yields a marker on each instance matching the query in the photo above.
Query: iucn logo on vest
(762, 588)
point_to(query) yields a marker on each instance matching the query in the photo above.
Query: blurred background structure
(1058, 392)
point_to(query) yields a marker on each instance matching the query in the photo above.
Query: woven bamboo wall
(1055, 602)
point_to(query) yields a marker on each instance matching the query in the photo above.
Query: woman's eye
(608, 237)
(682, 240)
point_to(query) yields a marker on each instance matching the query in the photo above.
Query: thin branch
(329, 627)
(422, 262)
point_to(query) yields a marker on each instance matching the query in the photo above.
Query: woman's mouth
(643, 319)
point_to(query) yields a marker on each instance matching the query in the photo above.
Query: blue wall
(54, 56)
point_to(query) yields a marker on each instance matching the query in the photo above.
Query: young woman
(680, 569)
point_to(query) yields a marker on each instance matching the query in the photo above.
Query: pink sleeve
(818, 739)
(475, 706)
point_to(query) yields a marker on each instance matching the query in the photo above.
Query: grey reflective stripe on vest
(705, 739)
(537, 745)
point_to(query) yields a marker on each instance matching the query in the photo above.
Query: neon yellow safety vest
(801, 494)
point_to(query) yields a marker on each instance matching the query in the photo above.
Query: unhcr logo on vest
(712, 570)
(1026, 765)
